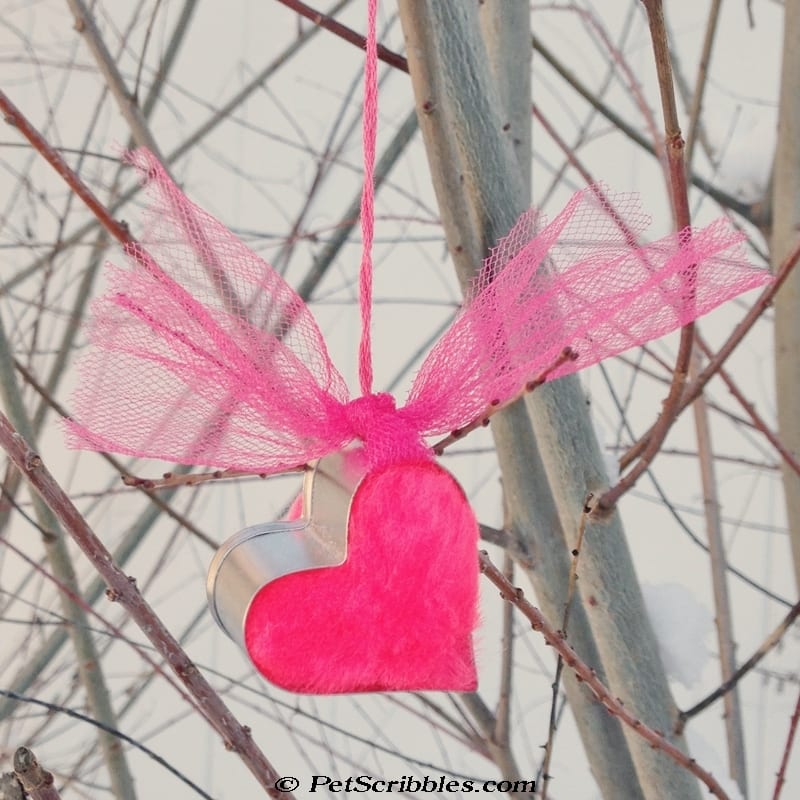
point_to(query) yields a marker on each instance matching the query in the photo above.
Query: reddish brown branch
(35, 779)
(235, 735)
(342, 31)
(587, 675)
(781, 777)
(13, 116)
(170, 479)
(679, 195)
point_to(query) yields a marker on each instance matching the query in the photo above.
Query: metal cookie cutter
(262, 553)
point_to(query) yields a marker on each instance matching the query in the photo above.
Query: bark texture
(481, 190)
(785, 226)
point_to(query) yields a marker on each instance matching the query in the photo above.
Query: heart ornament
(202, 354)
(348, 597)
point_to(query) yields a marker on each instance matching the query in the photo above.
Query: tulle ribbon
(202, 354)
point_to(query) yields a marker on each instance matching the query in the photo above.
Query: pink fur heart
(398, 614)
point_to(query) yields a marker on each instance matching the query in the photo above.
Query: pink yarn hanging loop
(370, 129)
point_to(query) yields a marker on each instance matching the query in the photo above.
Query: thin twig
(343, 32)
(741, 461)
(567, 354)
(221, 113)
(723, 617)
(628, 73)
(638, 367)
(759, 424)
(571, 587)
(170, 479)
(723, 198)
(768, 644)
(236, 736)
(331, 152)
(113, 629)
(680, 206)
(44, 655)
(453, 727)
(702, 80)
(147, 34)
(585, 673)
(737, 761)
(780, 779)
(157, 500)
(142, 136)
(126, 101)
(695, 387)
(134, 692)
(134, 249)
(350, 217)
(13, 116)
(41, 658)
(486, 722)
(552, 726)
(502, 727)
(585, 131)
(543, 777)
(101, 242)
(53, 709)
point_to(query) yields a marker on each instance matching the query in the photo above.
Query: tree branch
(680, 209)
(343, 32)
(696, 386)
(35, 779)
(614, 705)
(768, 644)
(121, 589)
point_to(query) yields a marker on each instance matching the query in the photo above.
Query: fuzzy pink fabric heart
(398, 615)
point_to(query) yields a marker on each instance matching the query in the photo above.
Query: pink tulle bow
(202, 354)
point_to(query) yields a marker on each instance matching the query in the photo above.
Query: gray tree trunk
(785, 225)
(480, 184)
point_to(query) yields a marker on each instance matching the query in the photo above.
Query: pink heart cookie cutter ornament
(214, 360)
(336, 599)
(203, 355)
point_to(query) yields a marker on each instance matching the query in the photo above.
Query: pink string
(370, 128)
